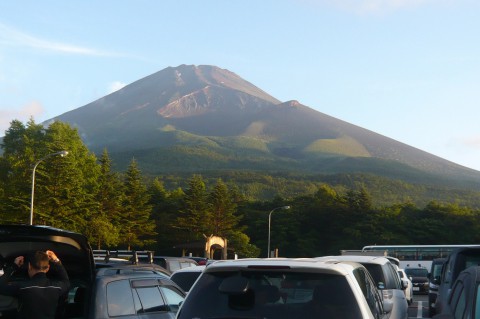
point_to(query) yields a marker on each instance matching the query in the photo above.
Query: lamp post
(269, 223)
(62, 154)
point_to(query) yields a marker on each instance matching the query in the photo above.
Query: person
(39, 295)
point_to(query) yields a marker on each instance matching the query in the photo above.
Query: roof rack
(131, 255)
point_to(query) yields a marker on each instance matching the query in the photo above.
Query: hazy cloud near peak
(33, 109)
(11, 36)
(115, 86)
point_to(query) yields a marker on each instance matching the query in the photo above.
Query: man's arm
(57, 272)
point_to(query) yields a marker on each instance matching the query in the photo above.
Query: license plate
(416, 288)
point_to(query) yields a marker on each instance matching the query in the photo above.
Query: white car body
(389, 282)
(211, 294)
(409, 288)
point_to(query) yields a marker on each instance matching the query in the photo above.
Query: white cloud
(115, 86)
(471, 142)
(375, 6)
(33, 109)
(10, 36)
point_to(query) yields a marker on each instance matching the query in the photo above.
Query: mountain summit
(192, 118)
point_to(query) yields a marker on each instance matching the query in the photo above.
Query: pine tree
(194, 217)
(137, 227)
(67, 185)
(222, 211)
(22, 146)
(106, 221)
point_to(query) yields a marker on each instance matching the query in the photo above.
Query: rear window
(185, 279)
(416, 272)
(271, 294)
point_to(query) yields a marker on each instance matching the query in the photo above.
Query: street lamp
(62, 154)
(269, 223)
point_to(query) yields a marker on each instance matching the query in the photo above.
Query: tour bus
(415, 255)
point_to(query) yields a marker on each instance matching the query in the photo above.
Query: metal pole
(62, 154)
(269, 223)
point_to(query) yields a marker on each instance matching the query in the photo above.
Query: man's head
(39, 262)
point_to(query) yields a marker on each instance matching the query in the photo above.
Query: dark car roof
(71, 248)
(117, 268)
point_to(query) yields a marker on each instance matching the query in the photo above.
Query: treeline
(126, 210)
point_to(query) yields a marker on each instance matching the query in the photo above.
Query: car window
(173, 297)
(173, 265)
(447, 271)
(185, 264)
(150, 300)
(437, 271)
(392, 278)
(185, 279)
(471, 260)
(376, 272)
(417, 272)
(119, 299)
(369, 291)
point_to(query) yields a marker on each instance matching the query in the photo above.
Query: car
(419, 278)
(170, 263)
(284, 288)
(118, 289)
(200, 260)
(409, 287)
(186, 277)
(463, 301)
(134, 292)
(386, 280)
(457, 261)
(434, 281)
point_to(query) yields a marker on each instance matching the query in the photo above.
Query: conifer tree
(222, 211)
(194, 217)
(67, 185)
(137, 227)
(106, 221)
(22, 146)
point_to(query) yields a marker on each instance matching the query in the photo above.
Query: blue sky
(407, 69)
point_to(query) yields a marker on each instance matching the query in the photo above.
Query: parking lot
(419, 307)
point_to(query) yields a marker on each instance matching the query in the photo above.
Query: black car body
(434, 281)
(419, 279)
(463, 299)
(457, 261)
(88, 296)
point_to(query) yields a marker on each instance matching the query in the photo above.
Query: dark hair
(39, 260)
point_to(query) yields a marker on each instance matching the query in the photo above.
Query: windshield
(272, 295)
(417, 272)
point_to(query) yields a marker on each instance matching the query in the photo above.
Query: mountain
(196, 118)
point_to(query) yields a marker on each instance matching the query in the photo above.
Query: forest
(129, 210)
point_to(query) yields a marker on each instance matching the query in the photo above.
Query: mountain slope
(202, 117)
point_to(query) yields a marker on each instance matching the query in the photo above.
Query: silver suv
(284, 288)
(386, 279)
